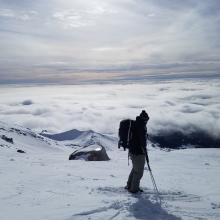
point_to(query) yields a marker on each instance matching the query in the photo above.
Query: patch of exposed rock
(93, 152)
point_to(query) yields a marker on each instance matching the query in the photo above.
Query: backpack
(125, 133)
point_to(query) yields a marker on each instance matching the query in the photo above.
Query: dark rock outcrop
(9, 140)
(91, 153)
(21, 151)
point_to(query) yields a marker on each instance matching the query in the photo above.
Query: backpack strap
(128, 157)
(129, 130)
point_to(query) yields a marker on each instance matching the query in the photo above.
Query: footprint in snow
(179, 196)
(215, 205)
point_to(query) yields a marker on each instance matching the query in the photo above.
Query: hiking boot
(126, 187)
(133, 191)
(141, 190)
(136, 191)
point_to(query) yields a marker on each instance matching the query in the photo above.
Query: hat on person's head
(144, 115)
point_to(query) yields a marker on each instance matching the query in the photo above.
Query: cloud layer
(81, 40)
(176, 106)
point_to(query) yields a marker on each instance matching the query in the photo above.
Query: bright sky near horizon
(72, 41)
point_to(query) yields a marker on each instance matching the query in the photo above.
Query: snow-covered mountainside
(16, 137)
(43, 184)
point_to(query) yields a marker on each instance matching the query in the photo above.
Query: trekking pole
(154, 184)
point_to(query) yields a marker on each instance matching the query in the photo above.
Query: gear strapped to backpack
(125, 133)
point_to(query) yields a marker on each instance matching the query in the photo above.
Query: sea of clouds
(184, 106)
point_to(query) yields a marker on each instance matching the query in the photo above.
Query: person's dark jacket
(139, 139)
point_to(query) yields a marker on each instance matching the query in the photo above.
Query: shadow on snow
(145, 209)
(137, 206)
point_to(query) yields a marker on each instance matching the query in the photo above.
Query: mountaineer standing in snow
(138, 153)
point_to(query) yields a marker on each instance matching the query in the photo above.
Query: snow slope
(43, 184)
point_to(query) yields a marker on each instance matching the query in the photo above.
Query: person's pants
(138, 162)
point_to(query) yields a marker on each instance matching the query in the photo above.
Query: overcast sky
(82, 40)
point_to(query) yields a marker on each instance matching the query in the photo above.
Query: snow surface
(43, 184)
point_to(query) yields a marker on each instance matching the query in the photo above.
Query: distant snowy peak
(64, 136)
(79, 138)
